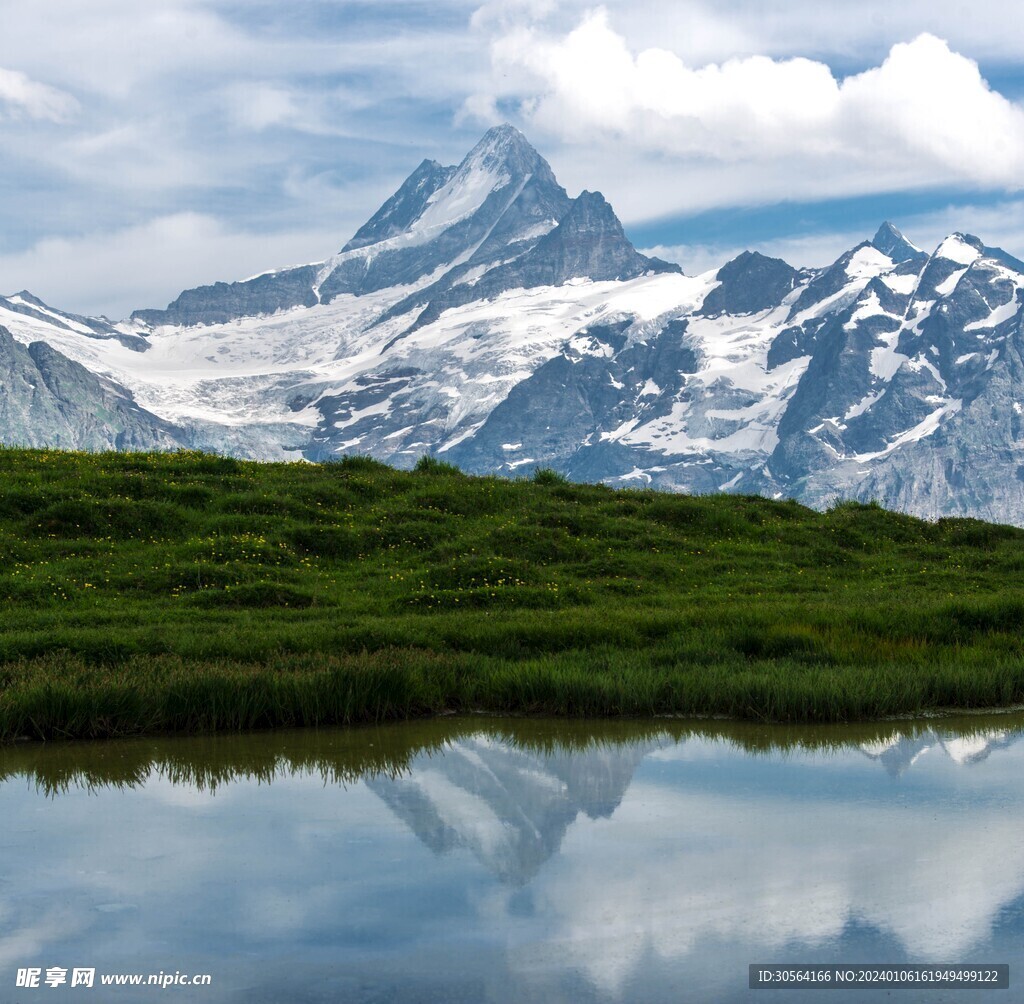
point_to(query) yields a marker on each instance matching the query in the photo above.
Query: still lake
(482, 859)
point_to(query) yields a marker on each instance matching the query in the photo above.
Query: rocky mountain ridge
(483, 316)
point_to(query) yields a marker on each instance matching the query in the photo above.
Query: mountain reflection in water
(515, 859)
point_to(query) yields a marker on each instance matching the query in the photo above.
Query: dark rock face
(589, 242)
(404, 207)
(795, 341)
(512, 196)
(47, 399)
(223, 302)
(511, 221)
(913, 404)
(560, 414)
(893, 244)
(828, 282)
(750, 283)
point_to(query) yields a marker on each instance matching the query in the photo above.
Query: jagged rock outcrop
(226, 301)
(748, 284)
(588, 243)
(894, 245)
(47, 400)
(405, 207)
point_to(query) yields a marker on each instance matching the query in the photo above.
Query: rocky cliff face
(224, 301)
(483, 316)
(912, 385)
(49, 401)
(587, 243)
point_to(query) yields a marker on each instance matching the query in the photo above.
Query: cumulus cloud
(753, 880)
(702, 31)
(924, 116)
(22, 97)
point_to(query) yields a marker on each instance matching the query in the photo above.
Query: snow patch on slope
(955, 248)
(924, 428)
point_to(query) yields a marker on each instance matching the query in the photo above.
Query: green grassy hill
(188, 592)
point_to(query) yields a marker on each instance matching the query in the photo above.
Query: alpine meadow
(192, 592)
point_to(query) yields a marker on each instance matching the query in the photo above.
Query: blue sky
(150, 147)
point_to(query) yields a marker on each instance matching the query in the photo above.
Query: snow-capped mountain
(901, 752)
(511, 808)
(483, 316)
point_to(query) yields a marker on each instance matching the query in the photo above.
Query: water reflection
(899, 752)
(495, 860)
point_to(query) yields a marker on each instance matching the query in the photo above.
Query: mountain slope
(588, 242)
(49, 400)
(484, 316)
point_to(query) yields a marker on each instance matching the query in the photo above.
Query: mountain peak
(888, 231)
(969, 239)
(589, 241)
(965, 248)
(592, 209)
(503, 147)
(434, 194)
(960, 248)
(404, 207)
(751, 282)
(592, 227)
(891, 242)
(503, 135)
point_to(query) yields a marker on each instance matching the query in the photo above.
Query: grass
(190, 593)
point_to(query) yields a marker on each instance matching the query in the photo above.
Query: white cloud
(660, 133)
(260, 105)
(716, 30)
(924, 116)
(798, 876)
(998, 225)
(20, 96)
(149, 264)
(117, 47)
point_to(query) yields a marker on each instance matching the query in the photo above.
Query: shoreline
(68, 699)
